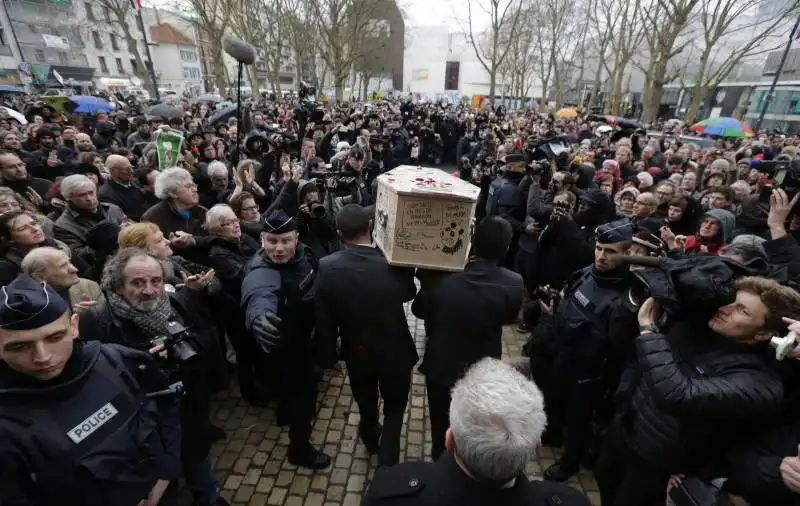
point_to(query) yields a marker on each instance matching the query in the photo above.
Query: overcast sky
(442, 12)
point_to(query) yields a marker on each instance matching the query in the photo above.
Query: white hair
(216, 215)
(73, 183)
(169, 181)
(216, 167)
(744, 185)
(38, 260)
(497, 418)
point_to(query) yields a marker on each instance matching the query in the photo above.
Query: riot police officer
(580, 334)
(83, 424)
(277, 298)
(505, 199)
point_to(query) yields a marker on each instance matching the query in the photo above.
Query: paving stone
(244, 493)
(252, 463)
(277, 496)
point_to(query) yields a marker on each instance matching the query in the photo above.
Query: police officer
(496, 420)
(277, 297)
(84, 424)
(580, 336)
(505, 199)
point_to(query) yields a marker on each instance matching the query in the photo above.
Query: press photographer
(144, 313)
(701, 382)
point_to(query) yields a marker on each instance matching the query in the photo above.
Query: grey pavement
(252, 464)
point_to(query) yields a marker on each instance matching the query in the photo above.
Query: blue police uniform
(92, 436)
(581, 330)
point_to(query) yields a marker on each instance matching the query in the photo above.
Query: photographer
(139, 312)
(505, 199)
(355, 191)
(703, 383)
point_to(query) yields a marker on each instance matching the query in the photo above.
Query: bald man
(83, 143)
(121, 189)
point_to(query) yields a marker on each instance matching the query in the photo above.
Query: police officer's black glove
(266, 333)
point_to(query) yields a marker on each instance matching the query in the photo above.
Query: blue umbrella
(90, 105)
(9, 88)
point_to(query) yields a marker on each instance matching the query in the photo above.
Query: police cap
(278, 222)
(615, 231)
(27, 304)
(514, 157)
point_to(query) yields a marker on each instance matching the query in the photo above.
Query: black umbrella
(164, 111)
(223, 115)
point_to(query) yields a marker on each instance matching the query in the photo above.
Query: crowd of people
(650, 272)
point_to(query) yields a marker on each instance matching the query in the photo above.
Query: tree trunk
(698, 91)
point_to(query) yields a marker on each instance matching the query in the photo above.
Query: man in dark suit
(359, 295)
(497, 419)
(464, 315)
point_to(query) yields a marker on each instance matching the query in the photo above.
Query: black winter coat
(696, 391)
(229, 261)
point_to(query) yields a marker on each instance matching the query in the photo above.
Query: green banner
(168, 147)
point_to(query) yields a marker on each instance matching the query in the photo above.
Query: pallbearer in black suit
(360, 297)
(464, 314)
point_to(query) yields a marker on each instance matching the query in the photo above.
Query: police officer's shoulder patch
(403, 480)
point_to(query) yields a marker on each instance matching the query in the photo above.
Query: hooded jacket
(726, 220)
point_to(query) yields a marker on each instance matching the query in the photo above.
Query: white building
(437, 62)
(176, 61)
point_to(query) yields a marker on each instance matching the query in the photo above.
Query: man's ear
(73, 323)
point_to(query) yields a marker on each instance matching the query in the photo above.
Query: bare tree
(343, 26)
(665, 21)
(492, 46)
(116, 20)
(558, 34)
(249, 23)
(598, 46)
(213, 18)
(624, 18)
(730, 34)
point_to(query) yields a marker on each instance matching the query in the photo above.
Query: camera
(317, 210)
(547, 294)
(178, 342)
(307, 108)
(785, 174)
(694, 492)
(691, 287)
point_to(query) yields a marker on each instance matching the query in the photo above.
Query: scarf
(153, 323)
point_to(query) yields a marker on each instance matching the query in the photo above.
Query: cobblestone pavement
(252, 465)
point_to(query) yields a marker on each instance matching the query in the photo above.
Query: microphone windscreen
(240, 50)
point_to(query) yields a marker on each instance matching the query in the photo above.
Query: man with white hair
(496, 422)
(86, 222)
(179, 215)
(121, 189)
(53, 267)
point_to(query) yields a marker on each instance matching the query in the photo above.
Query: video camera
(307, 108)
(179, 343)
(785, 174)
(692, 287)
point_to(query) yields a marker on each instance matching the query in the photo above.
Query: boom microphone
(240, 50)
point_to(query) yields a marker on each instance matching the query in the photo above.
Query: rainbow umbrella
(723, 127)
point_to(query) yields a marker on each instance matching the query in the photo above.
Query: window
(63, 58)
(120, 68)
(191, 73)
(103, 66)
(89, 11)
(106, 14)
(114, 42)
(3, 37)
(188, 55)
(98, 42)
(38, 55)
(134, 65)
(451, 75)
(131, 45)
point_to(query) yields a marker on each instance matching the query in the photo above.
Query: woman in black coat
(229, 254)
